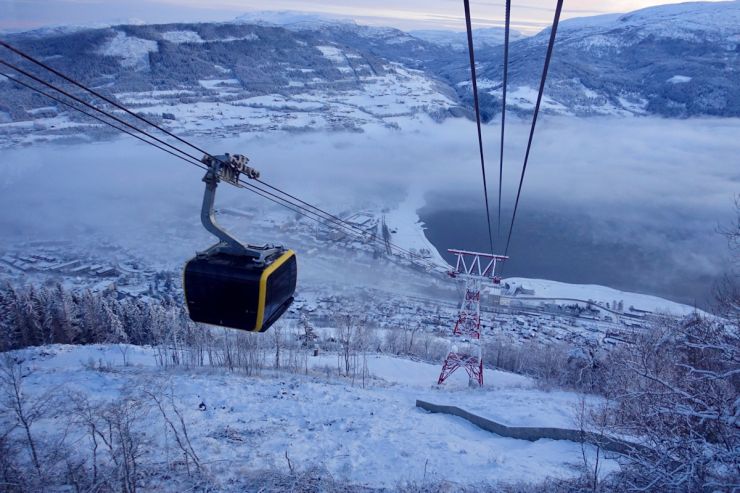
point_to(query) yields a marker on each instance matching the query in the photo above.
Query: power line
(548, 56)
(346, 226)
(477, 117)
(503, 113)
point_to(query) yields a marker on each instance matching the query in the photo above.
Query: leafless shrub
(592, 422)
(277, 339)
(166, 405)
(310, 480)
(122, 440)
(677, 390)
(348, 333)
(11, 477)
(23, 412)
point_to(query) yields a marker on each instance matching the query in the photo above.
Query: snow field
(554, 289)
(373, 436)
(182, 37)
(133, 52)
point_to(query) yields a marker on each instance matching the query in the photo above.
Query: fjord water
(568, 246)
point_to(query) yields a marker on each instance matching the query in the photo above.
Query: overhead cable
(476, 103)
(548, 56)
(503, 114)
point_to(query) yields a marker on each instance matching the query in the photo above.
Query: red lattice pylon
(472, 364)
(467, 327)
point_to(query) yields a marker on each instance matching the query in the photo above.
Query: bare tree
(24, 410)
(410, 331)
(592, 422)
(277, 339)
(347, 330)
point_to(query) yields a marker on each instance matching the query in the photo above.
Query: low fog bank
(651, 191)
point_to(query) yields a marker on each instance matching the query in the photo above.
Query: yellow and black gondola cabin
(234, 291)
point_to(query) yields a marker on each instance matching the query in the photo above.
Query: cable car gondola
(232, 284)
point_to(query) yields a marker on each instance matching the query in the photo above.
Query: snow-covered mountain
(489, 36)
(267, 71)
(671, 60)
(234, 76)
(291, 19)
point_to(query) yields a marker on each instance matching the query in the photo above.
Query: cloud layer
(647, 184)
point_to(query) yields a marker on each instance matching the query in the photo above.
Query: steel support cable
(90, 115)
(97, 94)
(332, 216)
(548, 56)
(120, 129)
(94, 108)
(28, 57)
(503, 114)
(347, 227)
(75, 98)
(473, 77)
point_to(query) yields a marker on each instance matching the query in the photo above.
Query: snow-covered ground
(407, 230)
(373, 436)
(600, 294)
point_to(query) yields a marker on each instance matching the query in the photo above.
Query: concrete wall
(534, 433)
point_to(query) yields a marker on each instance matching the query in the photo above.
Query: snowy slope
(132, 51)
(373, 436)
(691, 21)
(622, 64)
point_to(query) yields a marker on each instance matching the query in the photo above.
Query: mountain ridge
(671, 61)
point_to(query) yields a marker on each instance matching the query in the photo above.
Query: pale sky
(528, 16)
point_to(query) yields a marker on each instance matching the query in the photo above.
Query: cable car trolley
(233, 284)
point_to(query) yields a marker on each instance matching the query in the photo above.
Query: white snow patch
(332, 53)
(407, 230)
(133, 52)
(635, 105)
(182, 37)
(41, 110)
(526, 97)
(248, 37)
(679, 79)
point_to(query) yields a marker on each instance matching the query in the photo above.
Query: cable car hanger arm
(228, 168)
